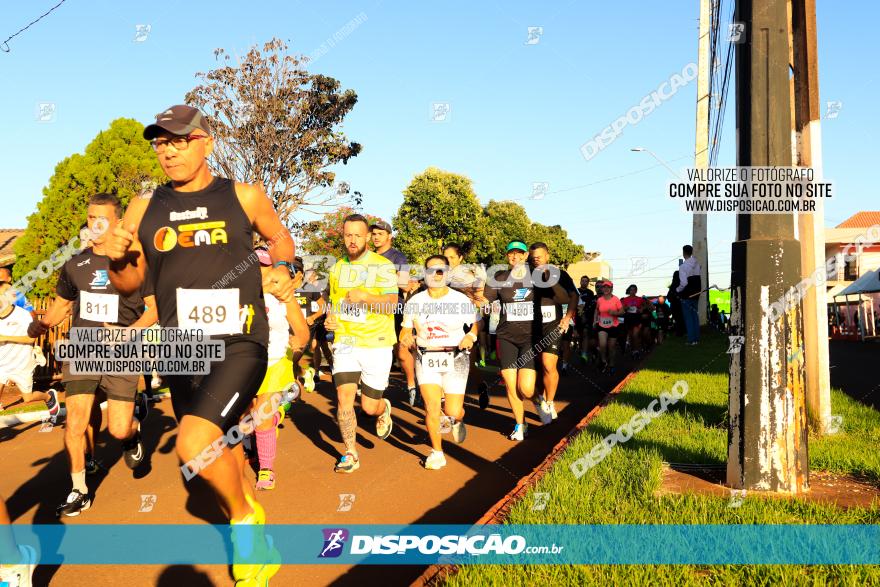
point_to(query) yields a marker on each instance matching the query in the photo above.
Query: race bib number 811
(99, 307)
(214, 311)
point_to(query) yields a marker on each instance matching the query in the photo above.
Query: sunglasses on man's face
(436, 270)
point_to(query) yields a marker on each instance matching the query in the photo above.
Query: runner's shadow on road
(201, 501)
(317, 427)
(53, 474)
(154, 428)
(177, 575)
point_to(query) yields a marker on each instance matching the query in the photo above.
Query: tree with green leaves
(506, 221)
(438, 208)
(118, 160)
(276, 124)
(563, 251)
(324, 236)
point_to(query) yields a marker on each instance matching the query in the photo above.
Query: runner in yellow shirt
(363, 296)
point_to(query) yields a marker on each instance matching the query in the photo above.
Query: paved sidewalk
(390, 487)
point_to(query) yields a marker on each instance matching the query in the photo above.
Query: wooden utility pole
(811, 226)
(767, 438)
(701, 150)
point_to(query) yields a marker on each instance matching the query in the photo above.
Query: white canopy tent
(869, 283)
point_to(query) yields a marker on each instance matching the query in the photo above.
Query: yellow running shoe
(255, 559)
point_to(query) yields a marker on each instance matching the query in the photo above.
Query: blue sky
(519, 112)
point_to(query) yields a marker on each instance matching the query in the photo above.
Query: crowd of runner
(173, 259)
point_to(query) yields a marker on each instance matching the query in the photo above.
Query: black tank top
(203, 240)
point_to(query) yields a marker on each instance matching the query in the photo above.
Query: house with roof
(8, 236)
(854, 312)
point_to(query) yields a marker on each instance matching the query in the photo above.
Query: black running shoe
(53, 405)
(141, 407)
(74, 505)
(93, 467)
(484, 396)
(133, 450)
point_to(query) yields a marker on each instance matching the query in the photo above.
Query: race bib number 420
(437, 362)
(99, 307)
(519, 311)
(214, 311)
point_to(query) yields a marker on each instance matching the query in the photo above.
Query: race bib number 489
(214, 311)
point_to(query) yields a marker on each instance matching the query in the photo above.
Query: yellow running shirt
(359, 326)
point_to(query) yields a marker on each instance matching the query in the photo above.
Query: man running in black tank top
(194, 233)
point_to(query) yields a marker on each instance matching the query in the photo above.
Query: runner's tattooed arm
(348, 429)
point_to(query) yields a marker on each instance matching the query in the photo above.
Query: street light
(654, 155)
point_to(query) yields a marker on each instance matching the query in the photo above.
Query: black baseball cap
(178, 120)
(382, 225)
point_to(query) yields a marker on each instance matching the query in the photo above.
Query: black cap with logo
(178, 120)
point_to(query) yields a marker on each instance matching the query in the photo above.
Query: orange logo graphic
(190, 235)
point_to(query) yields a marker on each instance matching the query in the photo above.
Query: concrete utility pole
(701, 151)
(767, 439)
(811, 226)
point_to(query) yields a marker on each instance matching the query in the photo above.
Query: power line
(5, 45)
(592, 183)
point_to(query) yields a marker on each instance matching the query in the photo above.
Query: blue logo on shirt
(521, 294)
(100, 279)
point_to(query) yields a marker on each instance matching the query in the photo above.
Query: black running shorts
(513, 355)
(224, 395)
(612, 331)
(551, 338)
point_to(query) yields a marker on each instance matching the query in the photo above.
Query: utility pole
(767, 438)
(701, 151)
(811, 226)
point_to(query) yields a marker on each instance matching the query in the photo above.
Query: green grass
(37, 407)
(620, 490)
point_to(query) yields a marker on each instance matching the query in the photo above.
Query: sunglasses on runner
(179, 143)
(436, 270)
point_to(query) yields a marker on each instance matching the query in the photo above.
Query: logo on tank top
(100, 279)
(200, 213)
(190, 235)
(520, 294)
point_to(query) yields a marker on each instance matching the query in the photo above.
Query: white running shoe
(520, 431)
(20, 575)
(543, 409)
(436, 460)
(553, 410)
(459, 432)
(384, 423)
(156, 382)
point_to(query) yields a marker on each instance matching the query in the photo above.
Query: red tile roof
(8, 236)
(861, 220)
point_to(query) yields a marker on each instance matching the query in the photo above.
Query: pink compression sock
(266, 442)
